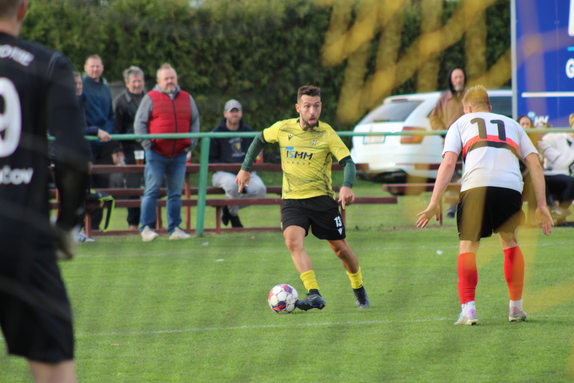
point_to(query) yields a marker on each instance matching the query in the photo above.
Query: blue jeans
(158, 166)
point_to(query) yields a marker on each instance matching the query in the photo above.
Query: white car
(392, 159)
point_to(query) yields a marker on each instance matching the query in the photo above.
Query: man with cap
(232, 150)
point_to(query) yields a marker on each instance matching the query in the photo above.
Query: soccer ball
(283, 298)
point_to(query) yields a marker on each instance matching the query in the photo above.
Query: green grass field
(196, 310)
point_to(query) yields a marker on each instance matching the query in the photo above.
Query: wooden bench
(121, 195)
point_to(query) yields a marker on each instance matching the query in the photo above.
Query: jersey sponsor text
(17, 54)
(15, 176)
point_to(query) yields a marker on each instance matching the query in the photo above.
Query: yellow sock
(309, 280)
(356, 279)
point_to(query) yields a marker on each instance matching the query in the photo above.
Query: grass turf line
(196, 311)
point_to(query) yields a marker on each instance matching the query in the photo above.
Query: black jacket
(125, 107)
(229, 150)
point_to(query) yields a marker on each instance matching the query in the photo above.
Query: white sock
(517, 304)
(466, 307)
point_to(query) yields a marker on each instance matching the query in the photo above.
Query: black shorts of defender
(321, 214)
(35, 313)
(484, 210)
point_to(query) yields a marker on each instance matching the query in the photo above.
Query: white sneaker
(179, 234)
(468, 318)
(516, 315)
(148, 234)
(82, 237)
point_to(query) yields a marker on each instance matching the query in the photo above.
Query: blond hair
(477, 98)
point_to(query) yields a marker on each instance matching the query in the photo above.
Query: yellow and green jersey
(306, 157)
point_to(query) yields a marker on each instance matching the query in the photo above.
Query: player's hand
(432, 210)
(66, 242)
(543, 217)
(346, 196)
(242, 180)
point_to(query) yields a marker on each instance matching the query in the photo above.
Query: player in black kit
(36, 99)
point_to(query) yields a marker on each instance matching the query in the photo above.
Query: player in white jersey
(491, 146)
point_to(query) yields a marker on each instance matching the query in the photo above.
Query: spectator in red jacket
(165, 109)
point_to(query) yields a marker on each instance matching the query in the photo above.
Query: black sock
(314, 291)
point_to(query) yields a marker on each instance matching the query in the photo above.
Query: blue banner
(543, 53)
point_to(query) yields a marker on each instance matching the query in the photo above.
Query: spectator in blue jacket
(98, 109)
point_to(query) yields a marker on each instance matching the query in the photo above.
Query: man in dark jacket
(125, 107)
(232, 150)
(37, 99)
(99, 114)
(166, 109)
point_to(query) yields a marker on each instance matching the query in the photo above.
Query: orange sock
(467, 277)
(514, 272)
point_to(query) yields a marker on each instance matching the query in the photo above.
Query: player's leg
(63, 372)
(295, 224)
(467, 281)
(327, 223)
(351, 264)
(294, 240)
(507, 216)
(470, 219)
(35, 316)
(514, 275)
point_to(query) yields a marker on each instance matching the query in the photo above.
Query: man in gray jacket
(165, 109)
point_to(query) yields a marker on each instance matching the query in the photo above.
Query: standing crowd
(165, 109)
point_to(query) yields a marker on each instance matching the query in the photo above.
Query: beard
(170, 89)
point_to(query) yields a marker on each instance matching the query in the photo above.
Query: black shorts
(484, 210)
(320, 213)
(35, 313)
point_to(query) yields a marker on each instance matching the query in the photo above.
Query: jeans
(158, 166)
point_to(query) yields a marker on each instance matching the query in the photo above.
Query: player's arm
(66, 124)
(346, 195)
(244, 174)
(444, 175)
(542, 214)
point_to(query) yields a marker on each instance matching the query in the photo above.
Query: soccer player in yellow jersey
(307, 147)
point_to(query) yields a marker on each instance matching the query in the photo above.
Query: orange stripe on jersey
(490, 141)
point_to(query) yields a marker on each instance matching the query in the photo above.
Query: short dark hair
(8, 8)
(525, 116)
(308, 90)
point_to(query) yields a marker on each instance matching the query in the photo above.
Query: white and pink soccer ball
(283, 298)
